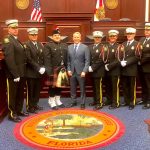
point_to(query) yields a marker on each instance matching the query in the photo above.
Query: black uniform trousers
(143, 84)
(112, 89)
(33, 92)
(97, 90)
(15, 95)
(129, 89)
(74, 80)
(108, 87)
(146, 77)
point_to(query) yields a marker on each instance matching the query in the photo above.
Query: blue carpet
(136, 136)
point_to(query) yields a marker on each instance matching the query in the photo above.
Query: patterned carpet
(136, 136)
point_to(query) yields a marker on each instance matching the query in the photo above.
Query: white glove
(17, 79)
(123, 63)
(90, 69)
(42, 70)
(106, 67)
(139, 63)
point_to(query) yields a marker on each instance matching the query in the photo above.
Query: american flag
(36, 14)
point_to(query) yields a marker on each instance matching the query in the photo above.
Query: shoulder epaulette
(6, 40)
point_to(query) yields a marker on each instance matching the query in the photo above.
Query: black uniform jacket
(113, 59)
(55, 56)
(15, 57)
(132, 59)
(145, 58)
(96, 61)
(35, 59)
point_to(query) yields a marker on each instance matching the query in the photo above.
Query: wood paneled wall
(133, 9)
(69, 15)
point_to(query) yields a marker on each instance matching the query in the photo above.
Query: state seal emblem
(22, 4)
(69, 129)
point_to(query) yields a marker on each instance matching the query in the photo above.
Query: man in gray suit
(78, 64)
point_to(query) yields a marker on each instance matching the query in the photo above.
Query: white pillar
(147, 11)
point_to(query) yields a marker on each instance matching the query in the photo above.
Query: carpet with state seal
(69, 129)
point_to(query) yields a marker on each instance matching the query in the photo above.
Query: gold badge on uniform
(113, 50)
(132, 47)
(105, 49)
(97, 51)
(147, 45)
(41, 50)
(6, 40)
(122, 48)
(25, 46)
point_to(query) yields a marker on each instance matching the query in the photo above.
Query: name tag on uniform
(132, 47)
(113, 50)
(147, 45)
(97, 51)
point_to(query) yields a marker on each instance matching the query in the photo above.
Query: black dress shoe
(32, 110)
(72, 105)
(123, 104)
(61, 106)
(54, 108)
(98, 106)
(23, 114)
(107, 103)
(82, 106)
(92, 104)
(146, 106)
(37, 107)
(140, 102)
(131, 107)
(14, 118)
(113, 107)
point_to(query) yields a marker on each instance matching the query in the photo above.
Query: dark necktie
(128, 44)
(94, 46)
(75, 48)
(36, 45)
(145, 40)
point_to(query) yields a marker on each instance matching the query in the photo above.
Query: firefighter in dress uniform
(112, 68)
(15, 60)
(129, 64)
(97, 69)
(145, 66)
(56, 58)
(34, 70)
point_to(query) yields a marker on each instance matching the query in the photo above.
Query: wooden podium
(68, 23)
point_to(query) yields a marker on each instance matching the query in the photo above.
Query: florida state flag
(99, 11)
